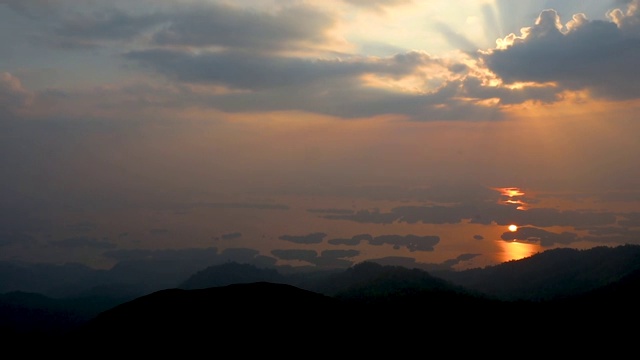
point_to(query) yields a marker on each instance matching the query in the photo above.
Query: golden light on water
(512, 195)
(510, 191)
(514, 250)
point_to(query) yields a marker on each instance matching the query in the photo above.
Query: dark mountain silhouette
(254, 317)
(372, 280)
(125, 279)
(231, 273)
(357, 279)
(46, 279)
(552, 294)
(41, 319)
(551, 274)
(243, 318)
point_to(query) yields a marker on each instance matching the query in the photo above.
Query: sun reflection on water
(515, 250)
(512, 196)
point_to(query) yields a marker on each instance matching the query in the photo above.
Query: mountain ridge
(365, 295)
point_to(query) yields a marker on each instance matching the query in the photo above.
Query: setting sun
(513, 228)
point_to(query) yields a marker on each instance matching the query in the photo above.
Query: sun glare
(513, 228)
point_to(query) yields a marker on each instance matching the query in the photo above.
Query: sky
(317, 133)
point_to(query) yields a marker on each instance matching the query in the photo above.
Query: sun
(513, 228)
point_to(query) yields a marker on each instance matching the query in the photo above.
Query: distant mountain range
(593, 294)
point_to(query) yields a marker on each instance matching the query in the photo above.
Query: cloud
(31, 8)
(242, 255)
(159, 231)
(547, 217)
(461, 258)
(163, 254)
(481, 214)
(454, 191)
(331, 86)
(628, 21)
(13, 95)
(252, 59)
(205, 257)
(187, 258)
(353, 241)
(239, 70)
(262, 60)
(314, 238)
(411, 242)
(199, 24)
(609, 230)
(339, 254)
(231, 27)
(295, 254)
(582, 54)
(544, 237)
(8, 238)
(239, 205)
(84, 226)
(331, 211)
(328, 259)
(94, 28)
(82, 242)
(17, 219)
(411, 263)
(230, 236)
(366, 216)
(630, 219)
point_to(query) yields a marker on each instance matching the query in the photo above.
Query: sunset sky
(317, 133)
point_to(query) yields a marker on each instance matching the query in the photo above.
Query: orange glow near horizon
(513, 228)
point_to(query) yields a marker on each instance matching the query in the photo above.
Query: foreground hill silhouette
(593, 294)
(254, 317)
(257, 311)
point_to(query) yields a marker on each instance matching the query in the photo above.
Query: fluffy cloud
(294, 58)
(242, 71)
(200, 24)
(13, 95)
(300, 26)
(595, 55)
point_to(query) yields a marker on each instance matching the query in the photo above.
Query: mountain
(42, 319)
(543, 276)
(551, 274)
(133, 277)
(238, 317)
(230, 273)
(361, 278)
(553, 295)
(257, 319)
